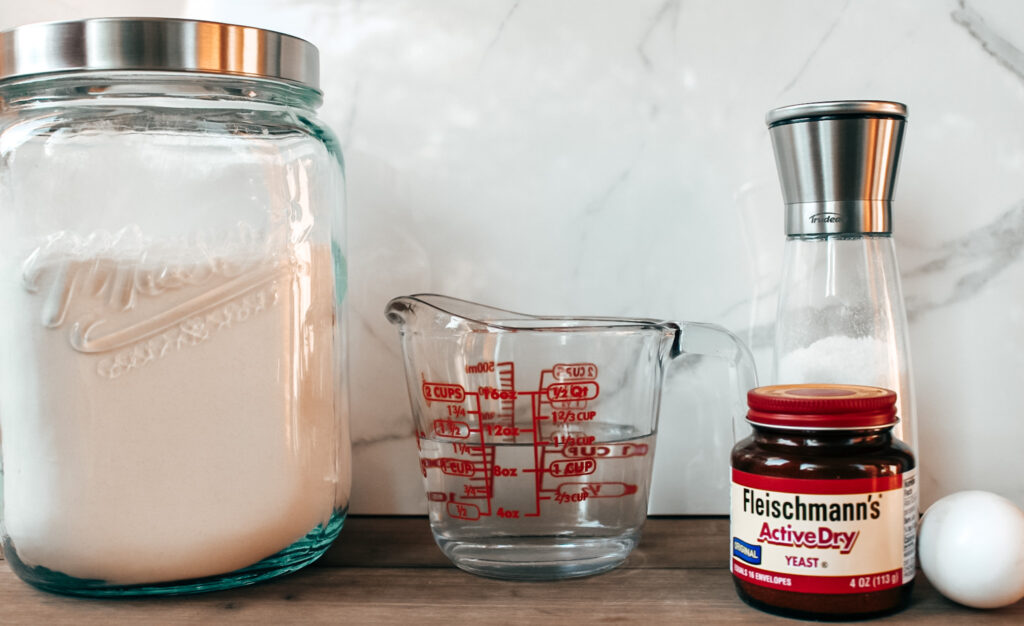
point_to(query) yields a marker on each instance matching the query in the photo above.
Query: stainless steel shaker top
(837, 163)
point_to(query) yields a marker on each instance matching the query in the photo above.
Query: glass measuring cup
(536, 434)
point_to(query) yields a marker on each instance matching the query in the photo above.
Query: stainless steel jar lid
(157, 44)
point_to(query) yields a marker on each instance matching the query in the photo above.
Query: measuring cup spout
(446, 312)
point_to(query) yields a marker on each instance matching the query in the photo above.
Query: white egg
(971, 548)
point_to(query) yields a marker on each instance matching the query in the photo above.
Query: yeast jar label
(823, 536)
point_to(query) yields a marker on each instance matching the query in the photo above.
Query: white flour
(165, 420)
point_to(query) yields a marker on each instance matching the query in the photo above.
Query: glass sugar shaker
(841, 317)
(172, 280)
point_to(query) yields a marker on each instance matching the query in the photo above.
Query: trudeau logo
(826, 218)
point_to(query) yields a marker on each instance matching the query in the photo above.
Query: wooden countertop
(387, 570)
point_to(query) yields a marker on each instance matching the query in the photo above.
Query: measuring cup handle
(713, 340)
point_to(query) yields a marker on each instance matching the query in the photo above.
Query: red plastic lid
(822, 406)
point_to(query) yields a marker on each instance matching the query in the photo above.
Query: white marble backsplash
(611, 157)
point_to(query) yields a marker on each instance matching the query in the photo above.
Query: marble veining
(497, 35)
(824, 38)
(994, 43)
(968, 264)
(667, 16)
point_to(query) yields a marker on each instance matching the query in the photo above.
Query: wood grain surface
(386, 570)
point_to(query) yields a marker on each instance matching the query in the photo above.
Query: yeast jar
(823, 503)
(172, 275)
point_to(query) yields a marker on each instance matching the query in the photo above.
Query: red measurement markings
(451, 429)
(505, 472)
(452, 467)
(507, 380)
(493, 393)
(443, 392)
(577, 405)
(559, 392)
(483, 367)
(568, 416)
(437, 496)
(480, 485)
(463, 510)
(538, 451)
(572, 467)
(475, 492)
(468, 449)
(597, 490)
(574, 371)
(571, 498)
(498, 430)
(607, 451)
(571, 438)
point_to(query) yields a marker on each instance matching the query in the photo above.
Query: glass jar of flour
(172, 397)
